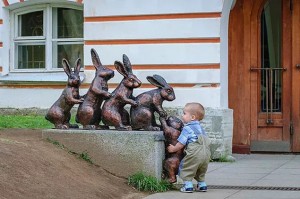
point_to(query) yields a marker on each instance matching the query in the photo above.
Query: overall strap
(197, 132)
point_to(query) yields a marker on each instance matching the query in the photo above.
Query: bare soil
(34, 168)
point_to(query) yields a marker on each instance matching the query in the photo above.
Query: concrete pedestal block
(122, 153)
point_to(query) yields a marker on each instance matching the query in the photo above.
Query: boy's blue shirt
(190, 132)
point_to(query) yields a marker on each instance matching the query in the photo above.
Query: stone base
(121, 153)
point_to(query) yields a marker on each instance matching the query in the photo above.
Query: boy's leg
(200, 177)
(201, 171)
(187, 172)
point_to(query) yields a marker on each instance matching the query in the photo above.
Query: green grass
(26, 122)
(55, 142)
(85, 156)
(144, 182)
(223, 158)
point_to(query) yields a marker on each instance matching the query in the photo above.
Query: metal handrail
(269, 93)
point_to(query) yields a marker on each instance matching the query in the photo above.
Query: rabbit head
(174, 122)
(130, 80)
(73, 77)
(101, 70)
(166, 91)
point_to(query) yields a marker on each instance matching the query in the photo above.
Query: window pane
(69, 23)
(71, 52)
(31, 56)
(31, 24)
(271, 37)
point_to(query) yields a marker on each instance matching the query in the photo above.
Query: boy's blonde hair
(196, 109)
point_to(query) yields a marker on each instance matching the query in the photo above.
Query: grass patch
(85, 156)
(223, 158)
(26, 122)
(144, 182)
(55, 142)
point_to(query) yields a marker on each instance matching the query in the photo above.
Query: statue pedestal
(122, 153)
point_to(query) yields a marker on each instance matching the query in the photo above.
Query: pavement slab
(274, 171)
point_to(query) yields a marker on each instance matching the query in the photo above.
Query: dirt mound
(34, 168)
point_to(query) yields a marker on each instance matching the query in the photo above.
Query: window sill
(57, 77)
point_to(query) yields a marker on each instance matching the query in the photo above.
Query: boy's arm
(172, 149)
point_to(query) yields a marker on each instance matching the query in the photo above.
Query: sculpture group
(99, 105)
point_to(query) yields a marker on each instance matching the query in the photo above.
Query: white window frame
(47, 38)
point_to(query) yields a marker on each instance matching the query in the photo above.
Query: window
(44, 35)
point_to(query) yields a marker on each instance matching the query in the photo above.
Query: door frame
(296, 76)
(242, 31)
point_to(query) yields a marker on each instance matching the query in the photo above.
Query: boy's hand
(171, 148)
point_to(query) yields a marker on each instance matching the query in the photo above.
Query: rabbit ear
(95, 58)
(66, 67)
(161, 80)
(127, 63)
(121, 68)
(77, 66)
(157, 81)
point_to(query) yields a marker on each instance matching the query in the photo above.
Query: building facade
(229, 55)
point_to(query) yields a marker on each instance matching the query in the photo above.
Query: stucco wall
(176, 39)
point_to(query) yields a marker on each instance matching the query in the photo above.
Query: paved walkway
(255, 170)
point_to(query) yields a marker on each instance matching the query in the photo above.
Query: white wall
(144, 7)
(44, 98)
(172, 53)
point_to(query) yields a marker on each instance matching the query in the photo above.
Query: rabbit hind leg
(125, 117)
(171, 165)
(154, 124)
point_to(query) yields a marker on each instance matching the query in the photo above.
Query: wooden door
(271, 77)
(264, 75)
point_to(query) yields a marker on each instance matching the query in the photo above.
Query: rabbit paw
(61, 126)
(107, 96)
(80, 101)
(124, 128)
(135, 104)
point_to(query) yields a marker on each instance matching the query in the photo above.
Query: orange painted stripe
(21, 0)
(1, 44)
(165, 66)
(1, 21)
(152, 17)
(152, 41)
(79, 1)
(86, 86)
(5, 2)
(1, 69)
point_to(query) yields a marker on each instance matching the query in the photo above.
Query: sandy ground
(33, 168)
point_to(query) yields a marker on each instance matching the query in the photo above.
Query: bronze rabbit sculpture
(89, 112)
(59, 113)
(142, 116)
(113, 112)
(172, 128)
